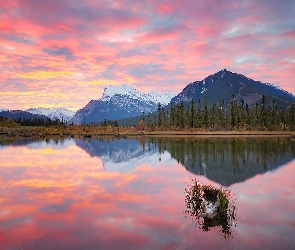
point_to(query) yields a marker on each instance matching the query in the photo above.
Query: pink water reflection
(61, 198)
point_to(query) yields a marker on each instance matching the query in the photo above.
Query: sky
(64, 53)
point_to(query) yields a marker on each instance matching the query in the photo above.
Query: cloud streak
(152, 45)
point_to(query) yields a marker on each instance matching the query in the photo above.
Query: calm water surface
(129, 194)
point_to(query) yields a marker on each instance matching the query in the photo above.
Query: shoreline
(29, 132)
(220, 133)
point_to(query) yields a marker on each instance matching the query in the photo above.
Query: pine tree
(199, 115)
(192, 114)
(262, 112)
(221, 115)
(233, 111)
(292, 117)
(181, 116)
(172, 117)
(205, 114)
(160, 118)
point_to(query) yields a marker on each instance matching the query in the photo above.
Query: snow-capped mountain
(223, 84)
(120, 102)
(124, 90)
(3, 109)
(53, 113)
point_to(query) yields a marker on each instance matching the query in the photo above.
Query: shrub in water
(210, 207)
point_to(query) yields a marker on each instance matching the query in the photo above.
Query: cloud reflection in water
(57, 197)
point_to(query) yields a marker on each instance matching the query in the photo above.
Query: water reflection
(230, 160)
(53, 195)
(223, 160)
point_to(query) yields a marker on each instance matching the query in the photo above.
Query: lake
(104, 193)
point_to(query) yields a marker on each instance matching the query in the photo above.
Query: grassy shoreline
(124, 132)
(222, 134)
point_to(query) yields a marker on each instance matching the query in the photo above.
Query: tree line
(32, 122)
(240, 116)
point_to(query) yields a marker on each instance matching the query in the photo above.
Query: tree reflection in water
(210, 207)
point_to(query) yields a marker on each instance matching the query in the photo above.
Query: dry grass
(219, 133)
(90, 131)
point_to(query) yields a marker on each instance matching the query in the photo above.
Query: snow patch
(203, 90)
(277, 87)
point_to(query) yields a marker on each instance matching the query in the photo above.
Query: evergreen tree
(292, 117)
(199, 115)
(205, 114)
(192, 114)
(262, 112)
(181, 116)
(172, 117)
(160, 118)
(233, 111)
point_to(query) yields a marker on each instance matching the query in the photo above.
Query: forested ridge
(240, 116)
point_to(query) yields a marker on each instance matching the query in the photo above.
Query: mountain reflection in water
(119, 155)
(222, 160)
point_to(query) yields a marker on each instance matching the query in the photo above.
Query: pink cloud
(164, 8)
(290, 33)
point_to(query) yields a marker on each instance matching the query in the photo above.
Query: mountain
(15, 114)
(223, 84)
(53, 113)
(120, 102)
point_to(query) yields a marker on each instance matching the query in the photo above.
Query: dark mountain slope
(223, 84)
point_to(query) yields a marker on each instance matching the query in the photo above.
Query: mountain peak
(112, 90)
(223, 72)
(126, 90)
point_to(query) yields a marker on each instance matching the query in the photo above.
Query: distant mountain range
(120, 102)
(39, 113)
(126, 104)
